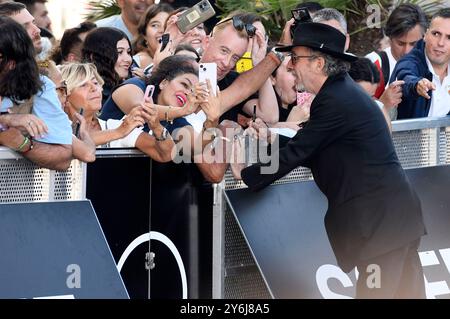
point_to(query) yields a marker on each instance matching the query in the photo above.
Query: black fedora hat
(320, 37)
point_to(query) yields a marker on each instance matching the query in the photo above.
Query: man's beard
(37, 49)
(300, 87)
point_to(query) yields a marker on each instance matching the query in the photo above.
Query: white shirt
(128, 141)
(440, 99)
(376, 58)
(392, 63)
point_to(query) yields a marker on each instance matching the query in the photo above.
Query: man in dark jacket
(374, 219)
(425, 70)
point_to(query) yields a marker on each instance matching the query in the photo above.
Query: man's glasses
(239, 25)
(295, 58)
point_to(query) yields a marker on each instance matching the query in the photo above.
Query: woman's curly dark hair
(170, 68)
(19, 72)
(100, 48)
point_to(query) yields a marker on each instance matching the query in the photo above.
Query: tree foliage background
(275, 13)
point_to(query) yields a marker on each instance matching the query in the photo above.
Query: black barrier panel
(57, 250)
(284, 227)
(181, 211)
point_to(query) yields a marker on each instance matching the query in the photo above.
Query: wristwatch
(278, 54)
(163, 135)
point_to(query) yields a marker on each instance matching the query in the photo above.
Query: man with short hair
(225, 46)
(347, 144)
(405, 26)
(425, 71)
(39, 11)
(20, 14)
(335, 19)
(128, 20)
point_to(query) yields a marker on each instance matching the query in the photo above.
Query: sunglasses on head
(239, 25)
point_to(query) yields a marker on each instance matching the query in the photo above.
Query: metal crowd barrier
(21, 181)
(418, 142)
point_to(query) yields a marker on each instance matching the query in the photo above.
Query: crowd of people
(61, 100)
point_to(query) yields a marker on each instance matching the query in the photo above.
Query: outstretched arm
(248, 82)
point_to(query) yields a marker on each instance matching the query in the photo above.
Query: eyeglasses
(295, 58)
(239, 25)
(62, 89)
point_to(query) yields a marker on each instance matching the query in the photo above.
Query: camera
(300, 15)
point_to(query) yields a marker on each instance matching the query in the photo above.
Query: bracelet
(274, 57)
(163, 136)
(24, 143)
(166, 115)
(31, 146)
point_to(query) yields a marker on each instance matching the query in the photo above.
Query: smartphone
(195, 15)
(208, 71)
(148, 95)
(300, 15)
(77, 127)
(164, 41)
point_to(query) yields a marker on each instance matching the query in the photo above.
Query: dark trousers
(401, 275)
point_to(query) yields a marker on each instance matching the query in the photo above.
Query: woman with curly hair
(110, 50)
(177, 94)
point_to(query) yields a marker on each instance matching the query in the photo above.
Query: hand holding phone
(148, 95)
(208, 71)
(164, 41)
(192, 17)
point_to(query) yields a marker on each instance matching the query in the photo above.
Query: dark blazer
(411, 69)
(372, 208)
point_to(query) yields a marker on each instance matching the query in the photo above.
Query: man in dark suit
(374, 218)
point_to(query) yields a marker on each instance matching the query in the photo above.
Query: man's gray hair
(333, 65)
(328, 14)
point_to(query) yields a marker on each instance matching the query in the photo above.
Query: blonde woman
(84, 91)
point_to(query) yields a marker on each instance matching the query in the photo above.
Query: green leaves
(103, 9)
